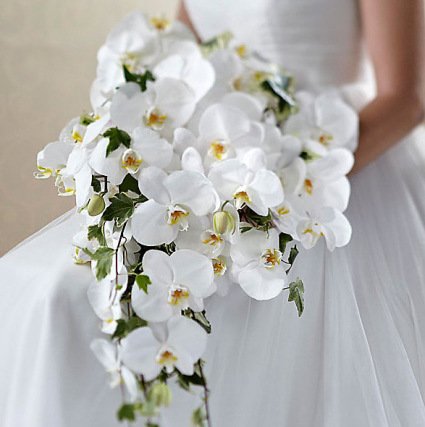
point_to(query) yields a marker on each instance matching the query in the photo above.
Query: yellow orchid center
(77, 137)
(66, 192)
(43, 173)
(219, 267)
(218, 150)
(77, 258)
(177, 215)
(241, 50)
(283, 211)
(155, 119)
(131, 161)
(241, 199)
(131, 61)
(178, 296)
(167, 358)
(314, 230)
(160, 23)
(308, 186)
(212, 239)
(325, 138)
(271, 258)
(237, 84)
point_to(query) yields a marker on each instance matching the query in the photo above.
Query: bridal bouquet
(195, 172)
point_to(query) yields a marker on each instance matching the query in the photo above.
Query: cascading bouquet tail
(195, 172)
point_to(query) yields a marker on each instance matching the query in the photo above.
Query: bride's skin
(394, 31)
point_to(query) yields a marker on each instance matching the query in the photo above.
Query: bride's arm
(183, 16)
(394, 32)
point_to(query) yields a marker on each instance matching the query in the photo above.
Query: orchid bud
(160, 395)
(96, 205)
(224, 223)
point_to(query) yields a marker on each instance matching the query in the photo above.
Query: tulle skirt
(356, 358)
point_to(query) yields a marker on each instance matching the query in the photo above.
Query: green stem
(206, 394)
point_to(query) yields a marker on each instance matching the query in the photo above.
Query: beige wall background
(48, 61)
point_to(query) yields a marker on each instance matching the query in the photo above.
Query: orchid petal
(149, 224)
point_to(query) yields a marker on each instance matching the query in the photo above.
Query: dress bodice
(319, 40)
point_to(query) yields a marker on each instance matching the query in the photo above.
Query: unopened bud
(224, 223)
(96, 205)
(160, 395)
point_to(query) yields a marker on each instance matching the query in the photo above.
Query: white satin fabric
(356, 358)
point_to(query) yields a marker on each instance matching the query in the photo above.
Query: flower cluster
(196, 171)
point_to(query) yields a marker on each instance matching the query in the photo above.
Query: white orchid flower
(53, 158)
(147, 148)
(172, 199)
(228, 67)
(104, 297)
(286, 218)
(326, 119)
(67, 131)
(179, 281)
(257, 264)
(102, 119)
(238, 68)
(135, 43)
(248, 183)
(65, 183)
(222, 266)
(185, 62)
(212, 235)
(327, 222)
(130, 43)
(108, 355)
(165, 105)
(179, 344)
(80, 241)
(281, 150)
(253, 107)
(55, 155)
(226, 132)
(320, 182)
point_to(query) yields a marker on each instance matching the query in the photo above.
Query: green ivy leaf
(296, 294)
(200, 318)
(96, 184)
(86, 119)
(103, 256)
(148, 409)
(143, 281)
(125, 327)
(121, 329)
(129, 184)
(280, 86)
(120, 209)
(217, 43)
(284, 239)
(140, 79)
(96, 232)
(101, 253)
(292, 256)
(199, 417)
(116, 138)
(127, 412)
(134, 323)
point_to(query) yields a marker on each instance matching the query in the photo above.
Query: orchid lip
(271, 257)
(178, 215)
(178, 295)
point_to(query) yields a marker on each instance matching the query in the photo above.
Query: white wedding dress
(356, 358)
